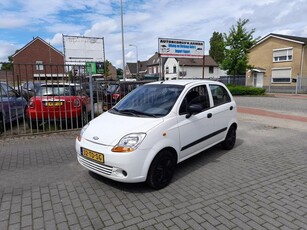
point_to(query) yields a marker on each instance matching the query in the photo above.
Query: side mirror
(193, 109)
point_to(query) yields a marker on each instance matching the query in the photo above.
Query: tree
(8, 65)
(107, 69)
(237, 45)
(119, 72)
(217, 47)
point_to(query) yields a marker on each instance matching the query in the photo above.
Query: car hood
(108, 128)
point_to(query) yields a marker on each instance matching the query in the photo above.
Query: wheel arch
(150, 159)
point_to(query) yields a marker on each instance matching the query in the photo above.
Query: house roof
(34, 40)
(155, 60)
(296, 39)
(197, 61)
(141, 64)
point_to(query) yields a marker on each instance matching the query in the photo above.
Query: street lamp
(137, 60)
(123, 45)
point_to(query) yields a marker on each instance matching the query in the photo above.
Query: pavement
(260, 184)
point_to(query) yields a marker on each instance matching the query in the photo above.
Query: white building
(175, 68)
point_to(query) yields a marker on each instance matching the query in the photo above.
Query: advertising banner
(179, 48)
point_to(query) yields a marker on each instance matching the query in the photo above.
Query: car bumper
(124, 167)
(52, 115)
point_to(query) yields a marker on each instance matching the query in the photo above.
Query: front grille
(101, 168)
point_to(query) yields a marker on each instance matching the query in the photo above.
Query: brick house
(38, 60)
(279, 62)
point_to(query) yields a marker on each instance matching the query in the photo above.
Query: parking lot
(260, 184)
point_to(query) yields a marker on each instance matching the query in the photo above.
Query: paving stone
(260, 184)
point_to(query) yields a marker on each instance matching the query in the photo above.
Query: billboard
(78, 49)
(179, 48)
(94, 67)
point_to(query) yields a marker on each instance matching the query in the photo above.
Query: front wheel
(230, 139)
(1, 123)
(161, 170)
(83, 118)
(32, 124)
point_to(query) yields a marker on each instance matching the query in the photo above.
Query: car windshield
(154, 100)
(55, 90)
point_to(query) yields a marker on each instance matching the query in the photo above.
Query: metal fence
(39, 99)
(300, 86)
(235, 80)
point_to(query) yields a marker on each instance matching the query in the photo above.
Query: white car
(155, 127)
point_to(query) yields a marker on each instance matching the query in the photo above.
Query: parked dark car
(12, 105)
(97, 90)
(116, 91)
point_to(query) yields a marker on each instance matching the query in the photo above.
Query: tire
(82, 119)
(1, 123)
(32, 124)
(161, 170)
(230, 138)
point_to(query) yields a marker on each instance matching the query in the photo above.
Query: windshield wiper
(135, 113)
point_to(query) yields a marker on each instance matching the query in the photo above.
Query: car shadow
(183, 169)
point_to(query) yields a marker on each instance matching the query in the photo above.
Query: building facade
(38, 60)
(278, 62)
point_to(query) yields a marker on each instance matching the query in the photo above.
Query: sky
(144, 21)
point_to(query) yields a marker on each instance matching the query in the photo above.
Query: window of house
(39, 65)
(211, 69)
(174, 69)
(167, 69)
(280, 55)
(282, 75)
(150, 70)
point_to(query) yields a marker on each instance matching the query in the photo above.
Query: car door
(223, 109)
(198, 131)
(12, 105)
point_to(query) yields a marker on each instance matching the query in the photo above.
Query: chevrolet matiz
(155, 127)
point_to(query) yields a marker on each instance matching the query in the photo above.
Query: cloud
(144, 21)
(7, 49)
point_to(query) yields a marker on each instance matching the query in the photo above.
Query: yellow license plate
(93, 155)
(54, 103)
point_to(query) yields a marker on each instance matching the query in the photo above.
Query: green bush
(245, 90)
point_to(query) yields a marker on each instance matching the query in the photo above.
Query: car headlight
(129, 142)
(82, 131)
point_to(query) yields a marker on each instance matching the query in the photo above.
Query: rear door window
(219, 94)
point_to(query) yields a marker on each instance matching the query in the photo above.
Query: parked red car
(65, 103)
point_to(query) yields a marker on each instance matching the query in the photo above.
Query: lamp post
(123, 45)
(137, 60)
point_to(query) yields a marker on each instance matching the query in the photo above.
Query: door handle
(209, 115)
(231, 108)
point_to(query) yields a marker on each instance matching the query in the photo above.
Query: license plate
(53, 103)
(92, 155)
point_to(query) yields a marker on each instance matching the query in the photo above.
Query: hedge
(245, 90)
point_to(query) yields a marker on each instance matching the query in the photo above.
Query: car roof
(60, 84)
(184, 82)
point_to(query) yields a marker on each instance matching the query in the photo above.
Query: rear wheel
(161, 170)
(230, 139)
(1, 123)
